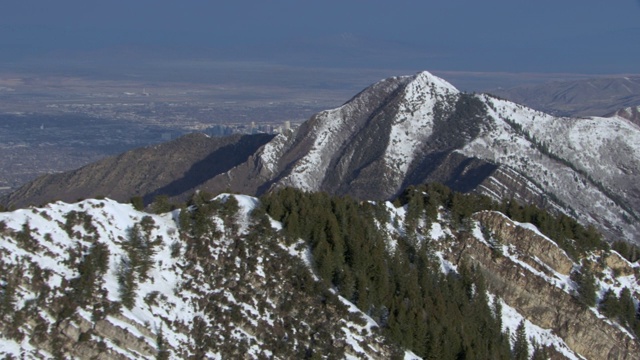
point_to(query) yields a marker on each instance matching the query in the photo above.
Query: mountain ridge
(409, 130)
(174, 168)
(630, 113)
(163, 308)
(227, 280)
(588, 97)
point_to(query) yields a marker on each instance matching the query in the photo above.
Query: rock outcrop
(523, 276)
(530, 244)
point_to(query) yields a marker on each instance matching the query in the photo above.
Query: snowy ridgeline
(167, 300)
(569, 157)
(42, 251)
(588, 166)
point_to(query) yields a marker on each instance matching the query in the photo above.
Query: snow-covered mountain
(415, 129)
(100, 278)
(404, 131)
(588, 167)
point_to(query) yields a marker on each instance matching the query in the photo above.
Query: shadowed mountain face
(398, 132)
(591, 97)
(175, 168)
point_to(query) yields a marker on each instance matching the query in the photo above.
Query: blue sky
(585, 36)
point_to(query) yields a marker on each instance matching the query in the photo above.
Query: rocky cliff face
(533, 248)
(528, 271)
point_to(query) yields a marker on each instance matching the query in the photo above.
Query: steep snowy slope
(409, 130)
(393, 133)
(99, 277)
(589, 165)
(404, 112)
(326, 138)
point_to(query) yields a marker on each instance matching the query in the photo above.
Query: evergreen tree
(539, 352)
(229, 211)
(586, 285)
(520, 349)
(610, 305)
(140, 249)
(25, 238)
(8, 297)
(415, 208)
(628, 251)
(137, 202)
(200, 333)
(161, 204)
(322, 256)
(91, 269)
(127, 282)
(185, 221)
(627, 309)
(163, 353)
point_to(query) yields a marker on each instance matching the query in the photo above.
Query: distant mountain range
(398, 132)
(589, 97)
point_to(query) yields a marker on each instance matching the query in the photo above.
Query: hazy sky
(588, 36)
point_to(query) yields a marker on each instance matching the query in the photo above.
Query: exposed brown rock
(619, 264)
(534, 297)
(528, 242)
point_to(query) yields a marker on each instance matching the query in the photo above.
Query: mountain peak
(427, 78)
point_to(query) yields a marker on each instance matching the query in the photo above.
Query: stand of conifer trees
(438, 316)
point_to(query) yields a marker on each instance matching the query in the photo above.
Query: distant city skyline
(587, 36)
